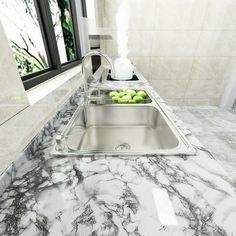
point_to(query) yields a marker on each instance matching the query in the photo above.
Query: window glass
(21, 25)
(63, 29)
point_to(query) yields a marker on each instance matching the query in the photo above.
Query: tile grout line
(151, 46)
(1, 124)
(194, 54)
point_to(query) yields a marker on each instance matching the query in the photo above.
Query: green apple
(127, 97)
(124, 99)
(115, 99)
(131, 92)
(132, 101)
(121, 94)
(138, 99)
(113, 93)
(142, 94)
(121, 100)
(125, 89)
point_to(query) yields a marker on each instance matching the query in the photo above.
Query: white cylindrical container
(123, 69)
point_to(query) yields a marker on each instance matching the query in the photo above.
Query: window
(62, 25)
(43, 35)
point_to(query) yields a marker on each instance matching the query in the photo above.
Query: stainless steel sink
(122, 129)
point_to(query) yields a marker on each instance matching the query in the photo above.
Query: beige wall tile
(108, 45)
(204, 89)
(170, 68)
(139, 20)
(142, 64)
(110, 8)
(175, 43)
(180, 14)
(212, 68)
(220, 15)
(170, 89)
(99, 6)
(139, 43)
(217, 43)
(135, 10)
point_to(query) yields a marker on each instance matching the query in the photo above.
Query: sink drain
(122, 147)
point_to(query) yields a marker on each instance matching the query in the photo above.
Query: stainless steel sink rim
(184, 146)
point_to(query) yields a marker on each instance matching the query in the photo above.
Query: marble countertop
(112, 195)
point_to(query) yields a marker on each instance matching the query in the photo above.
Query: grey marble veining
(112, 195)
(216, 128)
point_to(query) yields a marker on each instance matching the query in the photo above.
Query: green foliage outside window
(26, 62)
(22, 27)
(67, 29)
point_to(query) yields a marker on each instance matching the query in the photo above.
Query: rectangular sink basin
(121, 129)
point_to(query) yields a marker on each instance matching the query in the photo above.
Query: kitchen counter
(112, 195)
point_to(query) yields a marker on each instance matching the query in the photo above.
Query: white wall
(13, 97)
(185, 48)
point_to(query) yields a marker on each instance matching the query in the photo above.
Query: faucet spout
(87, 97)
(95, 53)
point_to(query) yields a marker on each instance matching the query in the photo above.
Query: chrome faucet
(86, 87)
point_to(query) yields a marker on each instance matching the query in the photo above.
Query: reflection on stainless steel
(123, 129)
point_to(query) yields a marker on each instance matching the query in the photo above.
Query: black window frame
(84, 8)
(49, 39)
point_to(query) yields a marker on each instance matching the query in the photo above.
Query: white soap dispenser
(123, 69)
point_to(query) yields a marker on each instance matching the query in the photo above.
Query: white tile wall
(180, 14)
(217, 43)
(169, 89)
(138, 17)
(203, 89)
(179, 43)
(186, 48)
(140, 44)
(220, 15)
(170, 68)
(218, 68)
(142, 63)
